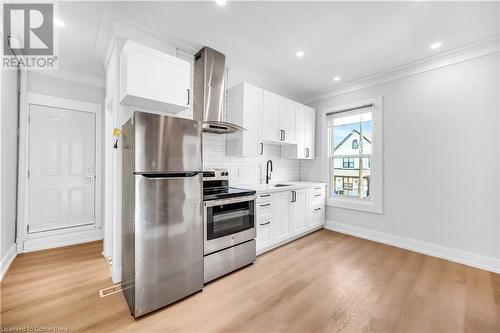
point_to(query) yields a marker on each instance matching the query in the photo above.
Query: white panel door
(61, 168)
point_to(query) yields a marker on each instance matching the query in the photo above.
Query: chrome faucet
(268, 174)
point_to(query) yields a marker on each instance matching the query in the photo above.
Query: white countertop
(294, 185)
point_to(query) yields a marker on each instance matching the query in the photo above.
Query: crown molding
(114, 27)
(75, 77)
(451, 57)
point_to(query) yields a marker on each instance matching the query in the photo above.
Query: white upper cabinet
(287, 120)
(278, 119)
(309, 131)
(153, 80)
(244, 108)
(305, 127)
(271, 118)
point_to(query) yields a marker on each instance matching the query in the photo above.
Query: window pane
(351, 135)
(350, 177)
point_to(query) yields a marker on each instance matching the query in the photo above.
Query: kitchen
(162, 160)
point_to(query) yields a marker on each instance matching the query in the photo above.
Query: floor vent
(110, 290)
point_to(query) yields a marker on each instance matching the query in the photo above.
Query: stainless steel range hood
(209, 92)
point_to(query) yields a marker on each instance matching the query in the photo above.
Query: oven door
(229, 222)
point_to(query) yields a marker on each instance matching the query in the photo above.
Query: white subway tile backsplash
(247, 170)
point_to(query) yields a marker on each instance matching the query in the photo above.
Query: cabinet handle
(294, 196)
(261, 148)
(317, 208)
(284, 135)
(188, 97)
(307, 152)
(265, 223)
(264, 195)
(318, 195)
(317, 188)
(264, 205)
(281, 135)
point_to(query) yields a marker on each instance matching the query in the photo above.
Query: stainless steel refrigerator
(162, 236)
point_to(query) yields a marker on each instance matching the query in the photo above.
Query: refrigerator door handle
(169, 175)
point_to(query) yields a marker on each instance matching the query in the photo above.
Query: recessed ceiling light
(436, 45)
(337, 78)
(300, 54)
(59, 22)
(220, 2)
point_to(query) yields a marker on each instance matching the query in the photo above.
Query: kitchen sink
(282, 185)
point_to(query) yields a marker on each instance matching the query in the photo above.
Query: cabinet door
(287, 120)
(270, 117)
(301, 118)
(281, 216)
(309, 132)
(252, 113)
(299, 211)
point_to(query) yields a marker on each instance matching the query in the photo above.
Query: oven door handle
(211, 203)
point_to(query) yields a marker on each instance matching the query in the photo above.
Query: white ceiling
(347, 39)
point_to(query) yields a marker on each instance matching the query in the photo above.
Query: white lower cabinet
(286, 215)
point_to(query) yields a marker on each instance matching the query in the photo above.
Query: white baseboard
(53, 241)
(463, 257)
(7, 260)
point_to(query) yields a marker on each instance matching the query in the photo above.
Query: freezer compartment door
(168, 239)
(164, 143)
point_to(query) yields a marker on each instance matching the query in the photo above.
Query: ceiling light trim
(464, 53)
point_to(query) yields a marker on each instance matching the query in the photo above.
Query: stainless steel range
(229, 225)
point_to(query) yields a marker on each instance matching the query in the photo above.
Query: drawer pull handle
(265, 223)
(264, 195)
(264, 205)
(317, 208)
(317, 195)
(317, 188)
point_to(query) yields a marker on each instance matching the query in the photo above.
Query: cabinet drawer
(317, 215)
(264, 197)
(316, 198)
(264, 232)
(264, 209)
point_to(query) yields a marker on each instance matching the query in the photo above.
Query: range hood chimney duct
(209, 92)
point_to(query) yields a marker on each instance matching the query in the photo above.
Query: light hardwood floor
(323, 282)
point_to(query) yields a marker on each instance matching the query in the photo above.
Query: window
(348, 163)
(354, 165)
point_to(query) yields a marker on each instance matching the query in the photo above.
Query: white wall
(43, 84)
(441, 158)
(9, 115)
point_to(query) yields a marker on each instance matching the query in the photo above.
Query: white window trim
(375, 203)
